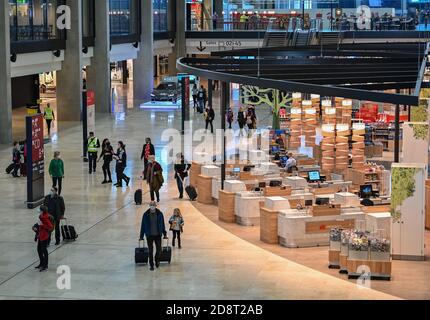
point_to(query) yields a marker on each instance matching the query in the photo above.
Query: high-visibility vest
(49, 113)
(92, 145)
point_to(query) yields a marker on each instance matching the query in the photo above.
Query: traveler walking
(154, 178)
(241, 119)
(148, 150)
(16, 159)
(202, 98)
(195, 95)
(49, 116)
(214, 21)
(181, 172)
(43, 228)
(107, 155)
(176, 222)
(56, 171)
(153, 228)
(93, 148)
(230, 117)
(121, 164)
(209, 118)
(56, 208)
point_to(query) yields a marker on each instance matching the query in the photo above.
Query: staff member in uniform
(49, 115)
(93, 148)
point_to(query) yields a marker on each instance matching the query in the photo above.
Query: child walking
(176, 226)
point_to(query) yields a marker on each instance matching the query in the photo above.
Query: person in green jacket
(56, 171)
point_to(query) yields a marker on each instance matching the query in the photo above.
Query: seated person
(291, 163)
(279, 141)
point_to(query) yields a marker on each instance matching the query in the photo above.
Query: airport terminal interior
(259, 150)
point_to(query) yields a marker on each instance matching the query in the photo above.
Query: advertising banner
(185, 84)
(91, 111)
(35, 161)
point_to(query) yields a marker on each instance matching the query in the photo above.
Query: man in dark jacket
(56, 208)
(16, 159)
(153, 228)
(148, 150)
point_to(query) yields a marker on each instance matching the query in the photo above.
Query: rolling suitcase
(141, 254)
(166, 252)
(9, 169)
(67, 231)
(138, 197)
(191, 192)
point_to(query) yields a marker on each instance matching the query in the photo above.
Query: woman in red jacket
(45, 228)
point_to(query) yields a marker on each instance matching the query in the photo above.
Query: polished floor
(214, 263)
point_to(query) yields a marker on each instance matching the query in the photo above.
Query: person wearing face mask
(148, 150)
(44, 228)
(154, 178)
(56, 208)
(107, 155)
(153, 227)
(56, 171)
(121, 164)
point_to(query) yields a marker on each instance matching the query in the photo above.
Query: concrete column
(69, 79)
(180, 43)
(143, 65)
(5, 83)
(99, 71)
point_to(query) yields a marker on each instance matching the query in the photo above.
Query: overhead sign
(35, 160)
(207, 46)
(91, 111)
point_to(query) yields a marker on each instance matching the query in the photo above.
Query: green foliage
(402, 187)
(424, 93)
(421, 131)
(420, 113)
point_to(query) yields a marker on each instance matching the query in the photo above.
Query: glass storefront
(33, 19)
(123, 15)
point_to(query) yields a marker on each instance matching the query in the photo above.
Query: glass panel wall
(161, 15)
(33, 19)
(123, 16)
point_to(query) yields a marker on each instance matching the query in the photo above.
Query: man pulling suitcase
(153, 228)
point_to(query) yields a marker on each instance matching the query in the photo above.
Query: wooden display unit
(326, 210)
(361, 177)
(334, 259)
(277, 191)
(204, 187)
(343, 263)
(325, 226)
(226, 206)
(269, 226)
(195, 171)
(378, 269)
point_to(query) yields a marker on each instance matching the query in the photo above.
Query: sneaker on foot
(152, 268)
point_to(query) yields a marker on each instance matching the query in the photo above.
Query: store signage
(91, 111)
(203, 46)
(35, 160)
(185, 85)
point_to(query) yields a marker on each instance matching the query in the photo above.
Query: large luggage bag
(166, 252)
(141, 254)
(191, 192)
(23, 169)
(138, 197)
(67, 231)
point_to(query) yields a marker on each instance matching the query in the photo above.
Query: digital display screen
(366, 191)
(314, 176)
(236, 170)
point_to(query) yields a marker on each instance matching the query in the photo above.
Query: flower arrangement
(359, 241)
(380, 245)
(335, 234)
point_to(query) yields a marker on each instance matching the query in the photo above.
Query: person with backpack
(176, 222)
(153, 228)
(16, 159)
(121, 164)
(209, 118)
(43, 228)
(181, 172)
(56, 171)
(154, 178)
(56, 208)
(107, 155)
(93, 148)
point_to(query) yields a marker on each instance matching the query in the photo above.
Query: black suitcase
(141, 254)
(138, 197)
(68, 232)
(9, 169)
(166, 252)
(192, 193)
(23, 170)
